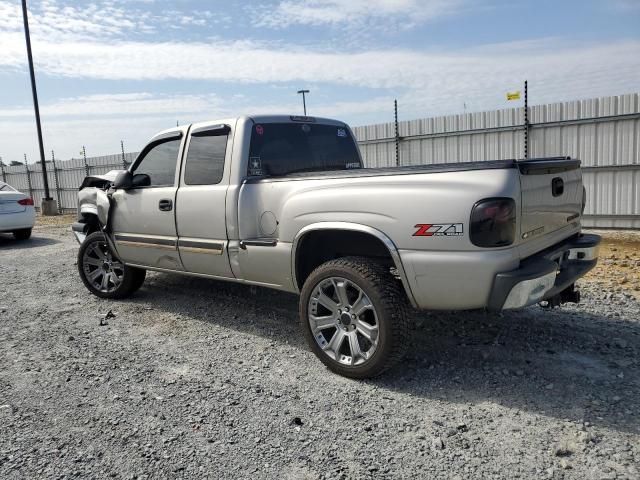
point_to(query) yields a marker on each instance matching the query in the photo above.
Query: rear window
(281, 148)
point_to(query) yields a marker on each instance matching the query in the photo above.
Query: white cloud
(425, 82)
(623, 5)
(355, 12)
(124, 104)
(100, 20)
(52, 20)
(554, 63)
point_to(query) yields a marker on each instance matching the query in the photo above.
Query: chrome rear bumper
(545, 274)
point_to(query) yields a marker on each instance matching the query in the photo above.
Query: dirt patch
(56, 220)
(618, 268)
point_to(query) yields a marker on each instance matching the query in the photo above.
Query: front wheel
(355, 317)
(102, 273)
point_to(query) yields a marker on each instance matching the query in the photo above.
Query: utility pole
(48, 204)
(304, 101)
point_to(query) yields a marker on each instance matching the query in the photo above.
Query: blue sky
(111, 70)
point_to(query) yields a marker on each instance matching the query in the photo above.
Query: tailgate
(552, 195)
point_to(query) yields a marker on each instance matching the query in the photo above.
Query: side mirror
(124, 180)
(140, 180)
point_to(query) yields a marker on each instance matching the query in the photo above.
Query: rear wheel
(22, 234)
(102, 273)
(355, 317)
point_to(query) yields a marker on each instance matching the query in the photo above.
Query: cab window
(160, 163)
(205, 159)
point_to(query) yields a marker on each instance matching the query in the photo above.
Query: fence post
(395, 120)
(4, 175)
(84, 156)
(526, 122)
(26, 167)
(55, 179)
(124, 161)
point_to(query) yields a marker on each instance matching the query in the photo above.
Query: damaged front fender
(94, 201)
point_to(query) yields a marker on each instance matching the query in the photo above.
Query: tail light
(493, 222)
(26, 202)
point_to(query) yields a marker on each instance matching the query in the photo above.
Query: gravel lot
(201, 379)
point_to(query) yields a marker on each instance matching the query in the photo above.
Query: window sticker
(352, 165)
(342, 132)
(255, 166)
(259, 129)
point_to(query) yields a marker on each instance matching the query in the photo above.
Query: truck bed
(407, 170)
(527, 167)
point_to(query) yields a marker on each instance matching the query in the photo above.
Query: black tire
(22, 234)
(140, 275)
(131, 278)
(389, 301)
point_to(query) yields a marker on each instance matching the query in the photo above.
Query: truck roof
(261, 118)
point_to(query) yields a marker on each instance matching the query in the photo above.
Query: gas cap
(268, 223)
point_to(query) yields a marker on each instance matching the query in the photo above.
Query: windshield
(281, 148)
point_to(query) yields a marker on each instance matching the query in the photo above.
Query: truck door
(142, 218)
(200, 202)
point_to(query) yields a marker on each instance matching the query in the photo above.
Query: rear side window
(160, 163)
(205, 160)
(281, 148)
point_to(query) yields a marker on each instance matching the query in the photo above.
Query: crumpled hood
(99, 180)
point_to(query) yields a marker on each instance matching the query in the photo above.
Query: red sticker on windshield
(259, 129)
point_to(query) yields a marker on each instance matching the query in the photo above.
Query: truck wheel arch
(337, 239)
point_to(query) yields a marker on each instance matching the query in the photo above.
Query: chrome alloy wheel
(102, 270)
(343, 321)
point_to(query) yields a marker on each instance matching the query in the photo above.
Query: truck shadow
(566, 363)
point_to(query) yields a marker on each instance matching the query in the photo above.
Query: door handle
(165, 205)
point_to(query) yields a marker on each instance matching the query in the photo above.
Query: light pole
(48, 204)
(304, 102)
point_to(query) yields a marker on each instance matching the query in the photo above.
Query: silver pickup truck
(284, 202)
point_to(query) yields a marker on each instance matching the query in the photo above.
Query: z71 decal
(438, 230)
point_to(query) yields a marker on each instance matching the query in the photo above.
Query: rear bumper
(18, 220)
(544, 274)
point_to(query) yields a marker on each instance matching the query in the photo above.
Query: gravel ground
(200, 379)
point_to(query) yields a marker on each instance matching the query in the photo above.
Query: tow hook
(568, 295)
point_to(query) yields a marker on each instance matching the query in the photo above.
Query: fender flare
(353, 227)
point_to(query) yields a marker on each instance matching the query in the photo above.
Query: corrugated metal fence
(64, 177)
(603, 132)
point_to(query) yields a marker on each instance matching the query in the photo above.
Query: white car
(17, 214)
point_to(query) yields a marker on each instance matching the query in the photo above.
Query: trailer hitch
(568, 295)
